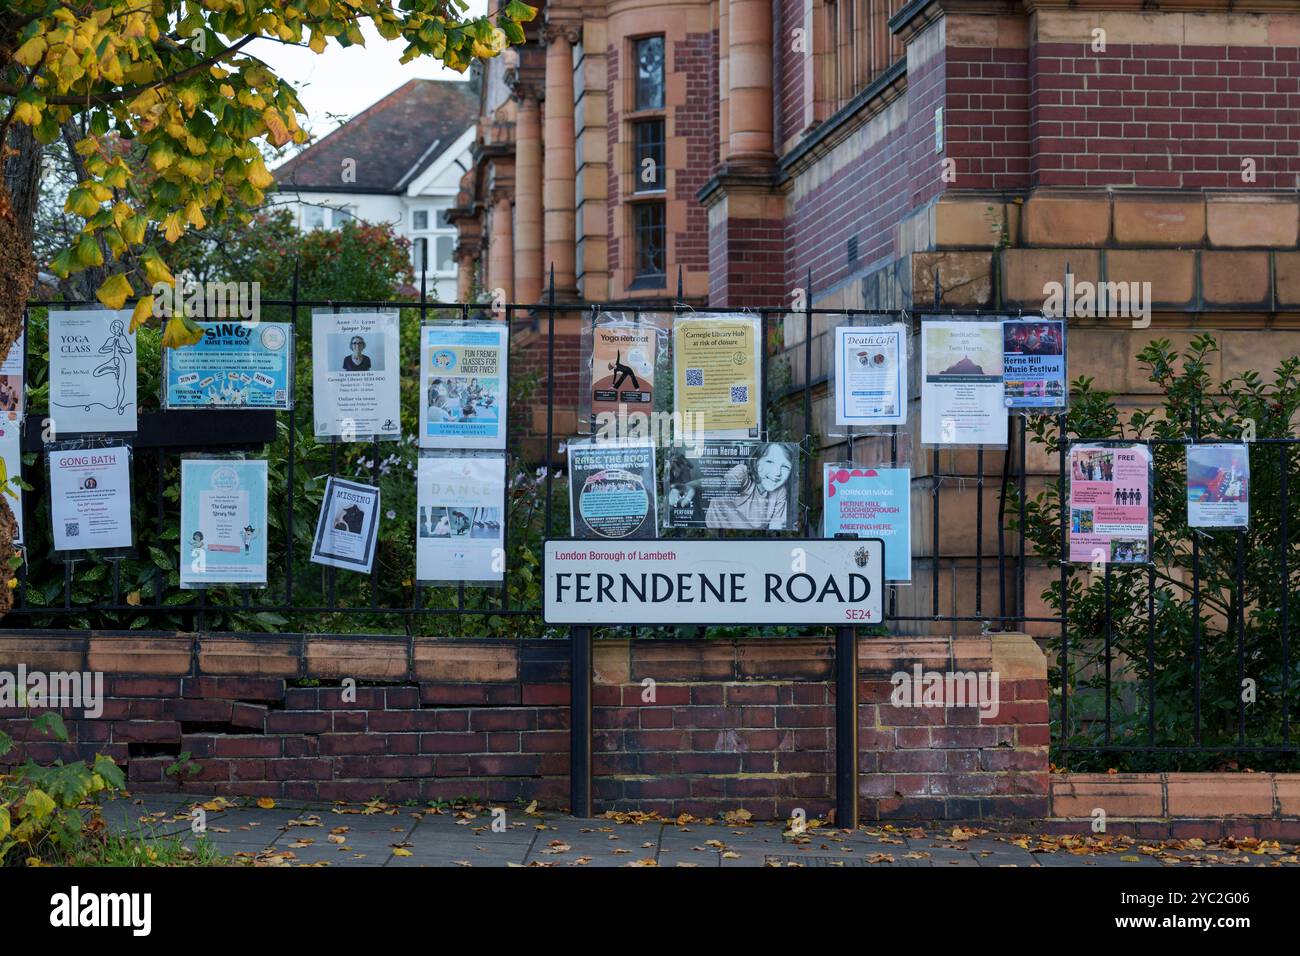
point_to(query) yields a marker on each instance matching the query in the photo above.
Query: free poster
(1218, 486)
(622, 371)
(90, 498)
(716, 371)
(460, 535)
(870, 375)
(961, 385)
(749, 485)
(355, 375)
(462, 377)
(1110, 504)
(92, 371)
(872, 503)
(612, 491)
(1033, 363)
(223, 522)
(12, 393)
(11, 455)
(347, 529)
(234, 365)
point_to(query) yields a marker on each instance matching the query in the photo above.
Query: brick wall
(987, 116)
(742, 723)
(697, 121)
(746, 262)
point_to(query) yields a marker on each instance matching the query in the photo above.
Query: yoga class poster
(223, 522)
(622, 371)
(92, 371)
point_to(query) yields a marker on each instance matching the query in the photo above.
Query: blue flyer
(223, 522)
(1033, 363)
(462, 382)
(234, 365)
(872, 503)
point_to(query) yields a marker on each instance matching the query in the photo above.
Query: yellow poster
(716, 385)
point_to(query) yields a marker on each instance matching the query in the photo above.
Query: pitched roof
(391, 141)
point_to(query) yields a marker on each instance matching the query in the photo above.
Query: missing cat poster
(462, 385)
(90, 498)
(749, 485)
(461, 502)
(612, 491)
(234, 365)
(356, 388)
(348, 525)
(961, 383)
(92, 371)
(223, 522)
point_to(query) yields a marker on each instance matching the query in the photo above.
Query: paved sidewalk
(378, 834)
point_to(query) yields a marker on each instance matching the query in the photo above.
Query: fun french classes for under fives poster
(463, 377)
(223, 522)
(234, 365)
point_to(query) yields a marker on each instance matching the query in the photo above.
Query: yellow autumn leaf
(133, 598)
(173, 226)
(141, 313)
(401, 852)
(257, 173)
(113, 291)
(155, 270)
(31, 52)
(179, 332)
(266, 803)
(27, 113)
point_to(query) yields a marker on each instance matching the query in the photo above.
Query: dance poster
(1033, 363)
(1218, 486)
(961, 385)
(872, 503)
(348, 525)
(461, 502)
(223, 522)
(716, 371)
(622, 371)
(749, 485)
(356, 373)
(870, 375)
(462, 383)
(92, 371)
(234, 365)
(13, 397)
(90, 498)
(612, 491)
(1110, 504)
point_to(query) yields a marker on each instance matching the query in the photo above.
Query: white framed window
(420, 220)
(343, 214)
(313, 217)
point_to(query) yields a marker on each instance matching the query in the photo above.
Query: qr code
(740, 394)
(695, 376)
(279, 395)
(71, 528)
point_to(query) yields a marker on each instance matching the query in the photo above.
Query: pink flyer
(1110, 504)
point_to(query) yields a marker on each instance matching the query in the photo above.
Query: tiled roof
(391, 142)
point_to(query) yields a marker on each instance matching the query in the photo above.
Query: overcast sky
(339, 83)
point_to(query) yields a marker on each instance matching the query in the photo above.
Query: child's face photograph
(773, 469)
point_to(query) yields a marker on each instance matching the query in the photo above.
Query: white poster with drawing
(92, 371)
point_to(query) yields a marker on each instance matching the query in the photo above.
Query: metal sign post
(708, 581)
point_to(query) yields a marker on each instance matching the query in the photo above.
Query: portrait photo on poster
(746, 485)
(612, 490)
(356, 375)
(92, 371)
(462, 383)
(347, 528)
(234, 365)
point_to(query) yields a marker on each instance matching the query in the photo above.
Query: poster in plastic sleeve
(223, 522)
(612, 491)
(745, 485)
(347, 528)
(11, 455)
(622, 371)
(716, 372)
(461, 504)
(356, 375)
(12, 393)
(961, 384)
(462, 383)
(234, 365)
(92, 372)
(1033, 364)
(1110, 504)
(90, 498)
(870, 375)
(1218, 486)
(872, 503)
